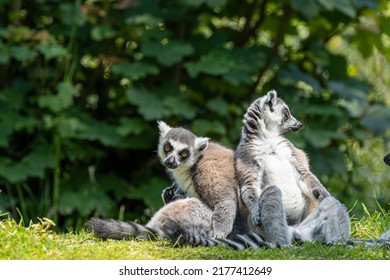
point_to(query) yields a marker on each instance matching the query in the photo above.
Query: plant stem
(56, 177)
(22, 203)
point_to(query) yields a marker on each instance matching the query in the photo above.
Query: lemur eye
(167, 148)
(286, 114)
(184, 154)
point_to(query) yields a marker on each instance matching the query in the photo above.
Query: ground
(39, 241)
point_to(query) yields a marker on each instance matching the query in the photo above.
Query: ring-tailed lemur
(264, 159)
(204, 171)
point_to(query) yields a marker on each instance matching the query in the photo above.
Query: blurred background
(82, 84)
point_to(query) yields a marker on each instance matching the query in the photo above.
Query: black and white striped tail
(112, 229)
(245, 241)
(118, 230)
(368, 243)
(192, 238)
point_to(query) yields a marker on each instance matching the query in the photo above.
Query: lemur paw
(168, 194)
(320, 194)
(256, 221)
(219, 235)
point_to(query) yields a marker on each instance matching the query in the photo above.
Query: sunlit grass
(39, 242)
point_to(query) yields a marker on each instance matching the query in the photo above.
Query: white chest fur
(276, 159)
(185, 182)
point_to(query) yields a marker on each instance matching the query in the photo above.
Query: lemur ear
(163, 127)
(201, 143)
(271, 99)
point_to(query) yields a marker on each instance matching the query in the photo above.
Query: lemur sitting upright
(265, 159)
(204, 170)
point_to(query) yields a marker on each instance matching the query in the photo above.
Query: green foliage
(82, 85)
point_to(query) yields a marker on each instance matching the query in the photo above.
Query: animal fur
(264, 159)
(207, 173)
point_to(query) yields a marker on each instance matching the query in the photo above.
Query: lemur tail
(112, 229)
(367, 243)
(245, 241)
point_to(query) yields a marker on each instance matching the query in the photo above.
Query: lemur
(202, 169)
(265, 159)
(192, 220)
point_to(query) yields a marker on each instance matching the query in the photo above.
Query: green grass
(39, 242)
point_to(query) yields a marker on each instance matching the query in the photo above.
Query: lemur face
(277, 115)
(179, 148)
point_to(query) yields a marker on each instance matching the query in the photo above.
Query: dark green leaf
(61, 101)
(150, 192)
(5, 131)
(351, 89)
(214, 63)
(22, 53)
(311, 7)
(130, 126)
(180, 107)
(320, 138)
(101, 32)
(219, 106)
(291, 74)
(135, 70)
(71, 14)
(205, 127)
(69, 127)
(5, 54)
(168, 54)
(148, 103)
(101, 131)
(344, 6)
(15, 94)
(51, 51)
(377, 119)
(33, 164)
(143, 19)
(210, 3)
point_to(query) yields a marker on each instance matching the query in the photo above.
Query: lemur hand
(170, 194)
(255, 215)
(320, 193)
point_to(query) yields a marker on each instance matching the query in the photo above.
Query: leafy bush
(83, 83)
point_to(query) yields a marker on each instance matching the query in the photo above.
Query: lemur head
(270, 115)
(179, 148)
(386, 159)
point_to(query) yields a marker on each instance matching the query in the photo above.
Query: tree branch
(277, 42)
(249, 28)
